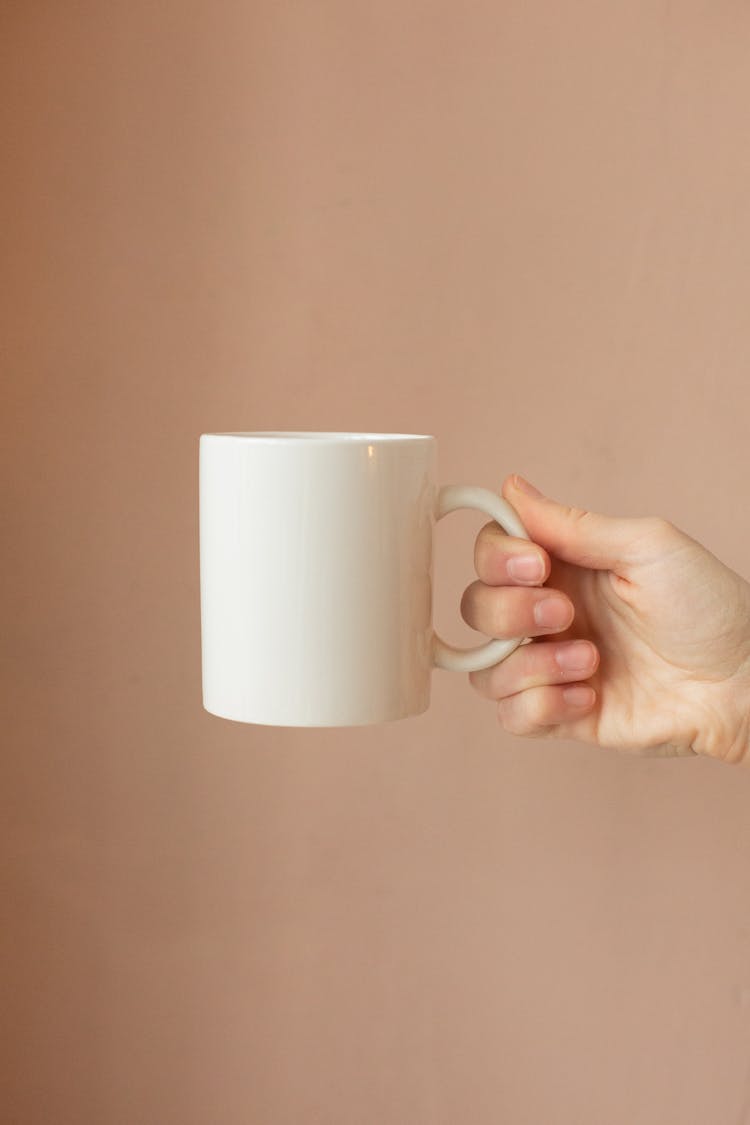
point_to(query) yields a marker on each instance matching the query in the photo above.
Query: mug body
(316, 576)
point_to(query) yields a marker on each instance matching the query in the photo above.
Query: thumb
(573, 534)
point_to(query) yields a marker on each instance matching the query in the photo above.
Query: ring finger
(537, 665)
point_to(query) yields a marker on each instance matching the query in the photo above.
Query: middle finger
(514, 611)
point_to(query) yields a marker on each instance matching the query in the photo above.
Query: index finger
(502, 560)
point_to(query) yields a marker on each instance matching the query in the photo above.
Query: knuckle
(537, 709)
(659, 527)
(507, 718)
(660, 536)
(489, 531)
(468, 601)
(478, 682)
(486, 608)
(514, 716)
(486, 546)
(578, 515)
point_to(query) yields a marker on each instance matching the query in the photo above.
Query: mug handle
(449, 498)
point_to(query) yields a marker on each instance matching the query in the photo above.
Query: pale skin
(647, 644)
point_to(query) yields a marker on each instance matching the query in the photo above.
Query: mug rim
(340, 437)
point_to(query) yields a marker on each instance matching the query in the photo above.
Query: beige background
(524, 228)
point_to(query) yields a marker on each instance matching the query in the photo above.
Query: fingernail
(526, 568)
(552, 613)
(577, 657)
(523, 486)
(578, 695)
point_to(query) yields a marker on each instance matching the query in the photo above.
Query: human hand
(654, 628)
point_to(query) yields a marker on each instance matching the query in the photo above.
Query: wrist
(743, 720)
(725, 734)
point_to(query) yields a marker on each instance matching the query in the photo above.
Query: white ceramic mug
(316, 576)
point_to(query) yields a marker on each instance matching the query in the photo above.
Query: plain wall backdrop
(524, 228)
